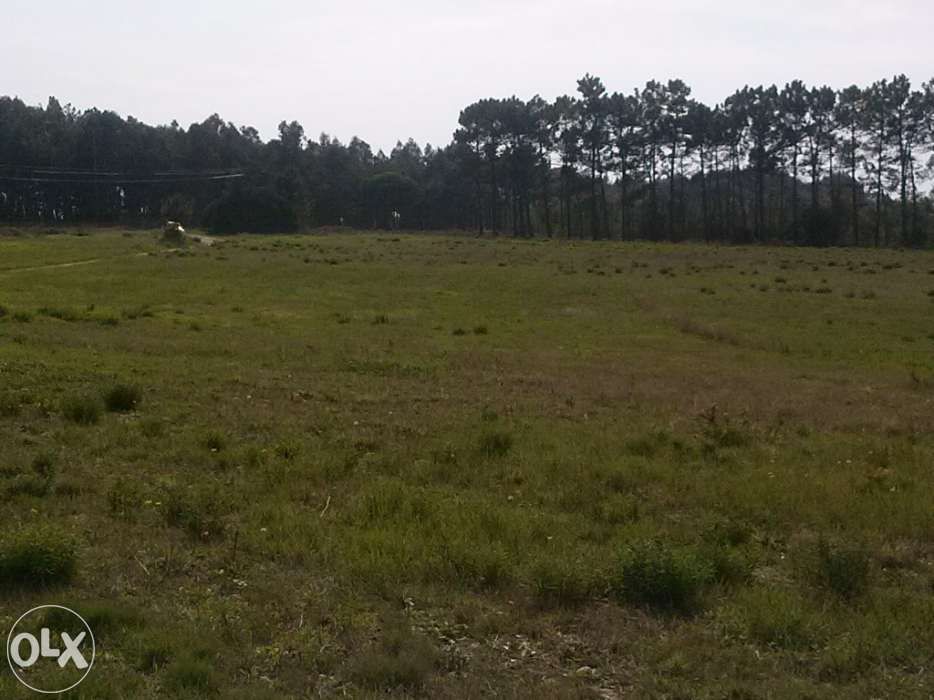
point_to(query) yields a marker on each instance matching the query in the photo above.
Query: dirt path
(203, 240)
(75, 263)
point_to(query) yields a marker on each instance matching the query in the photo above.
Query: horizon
(346, 93)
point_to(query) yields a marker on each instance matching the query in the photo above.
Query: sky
(386, 71)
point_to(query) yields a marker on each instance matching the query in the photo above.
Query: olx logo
(50, 649)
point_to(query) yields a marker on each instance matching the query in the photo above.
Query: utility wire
(121, 181)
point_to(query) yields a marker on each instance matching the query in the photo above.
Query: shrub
(481, 330)
(458, 331)
(250, 209)
(656, 575)
(83, 410)
(36, 556)
(495, 444)
(121, 398)
(843, 571)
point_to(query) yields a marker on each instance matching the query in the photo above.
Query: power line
(33, 173)
(120, 181)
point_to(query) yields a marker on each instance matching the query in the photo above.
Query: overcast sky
(389, 70)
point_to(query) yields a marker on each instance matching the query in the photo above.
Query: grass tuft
(83, 410)
(36, 557)
(121, 398)
(496, 444)
(656, 575)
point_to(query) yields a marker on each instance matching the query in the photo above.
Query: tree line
(797, 164)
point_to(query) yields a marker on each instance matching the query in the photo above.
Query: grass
(444, 466)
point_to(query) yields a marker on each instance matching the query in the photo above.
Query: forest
(796, 164)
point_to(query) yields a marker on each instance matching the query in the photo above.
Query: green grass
(437, 465)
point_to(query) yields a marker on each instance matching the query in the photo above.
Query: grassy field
(353, 465)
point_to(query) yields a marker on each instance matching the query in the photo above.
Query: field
(366, 464)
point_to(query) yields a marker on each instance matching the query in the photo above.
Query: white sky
(389, 70)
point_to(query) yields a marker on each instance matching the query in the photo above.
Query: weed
(123, 500)
(199, 512)
(720, 431)
(562, 580)
(843, 571)
(121, 398)
(36, 556)
(43, 464)
(400, 660)
(773, 616)
(29, 485)
(214, 441)
(496, 444)
(187, 674)
(82, 409)
(656, 575)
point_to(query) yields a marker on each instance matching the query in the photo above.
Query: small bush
(496, 444)
(656, 575)
(121, 398)
(22, 317)
(843, 571)
(380, 320)
(36, 557)
(83, 410)
(481, 330)
(458, 331)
